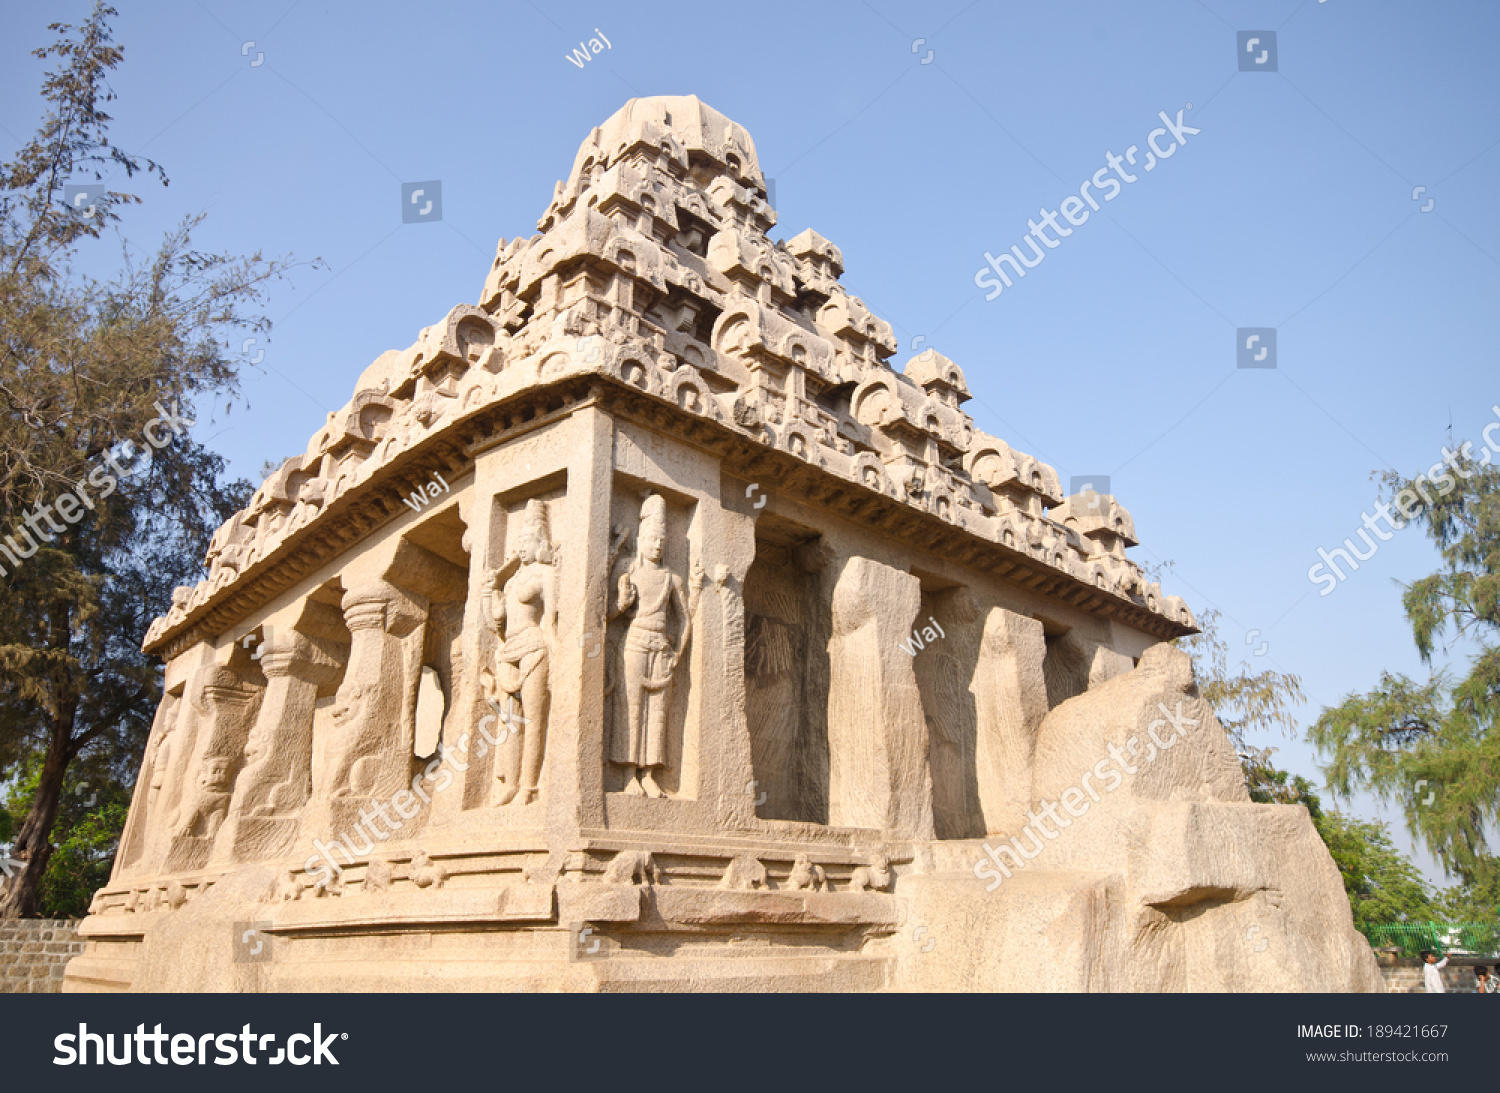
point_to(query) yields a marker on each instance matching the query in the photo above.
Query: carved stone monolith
(641, 626)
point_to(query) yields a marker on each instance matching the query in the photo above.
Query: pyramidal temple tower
(641, 626)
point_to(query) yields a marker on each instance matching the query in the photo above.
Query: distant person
(1432, 973)
(1481, 979)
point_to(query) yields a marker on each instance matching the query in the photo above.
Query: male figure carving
(650, 657)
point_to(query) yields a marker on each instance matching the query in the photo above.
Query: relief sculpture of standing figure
(523, 604)
(650, 656)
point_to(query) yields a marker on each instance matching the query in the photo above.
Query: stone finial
(1099, 517)
(816, 254)
(939, 377)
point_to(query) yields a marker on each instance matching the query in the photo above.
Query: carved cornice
(451, 452)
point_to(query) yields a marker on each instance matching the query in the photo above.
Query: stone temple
(641, 627)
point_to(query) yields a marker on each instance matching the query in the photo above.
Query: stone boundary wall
(1404, 976)
(34, 952)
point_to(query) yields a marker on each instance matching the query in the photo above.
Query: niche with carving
(655, 583)
(518, 650)
(787, 627)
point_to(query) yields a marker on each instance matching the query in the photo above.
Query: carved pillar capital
(224, 687)
(364, 615)
(277, 665)
(297, 656)
(380, 604)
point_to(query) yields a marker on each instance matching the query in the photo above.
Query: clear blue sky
(1291, 209)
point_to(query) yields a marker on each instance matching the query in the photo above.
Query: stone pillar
(1011, 694)
(225, 715)
(728, 765)
(877, 736)
(172, 768)
(1106, 664)
(369, 756)
(1079, 661)
(576, 745)
(478, 642)
(265, 812)
(146, 800)
(950, 626)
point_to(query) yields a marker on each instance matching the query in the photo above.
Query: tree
(1246, 702)
(90, 817)
(1476, 901)
(106, 502)
(1434, 748)
(1382, 884)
